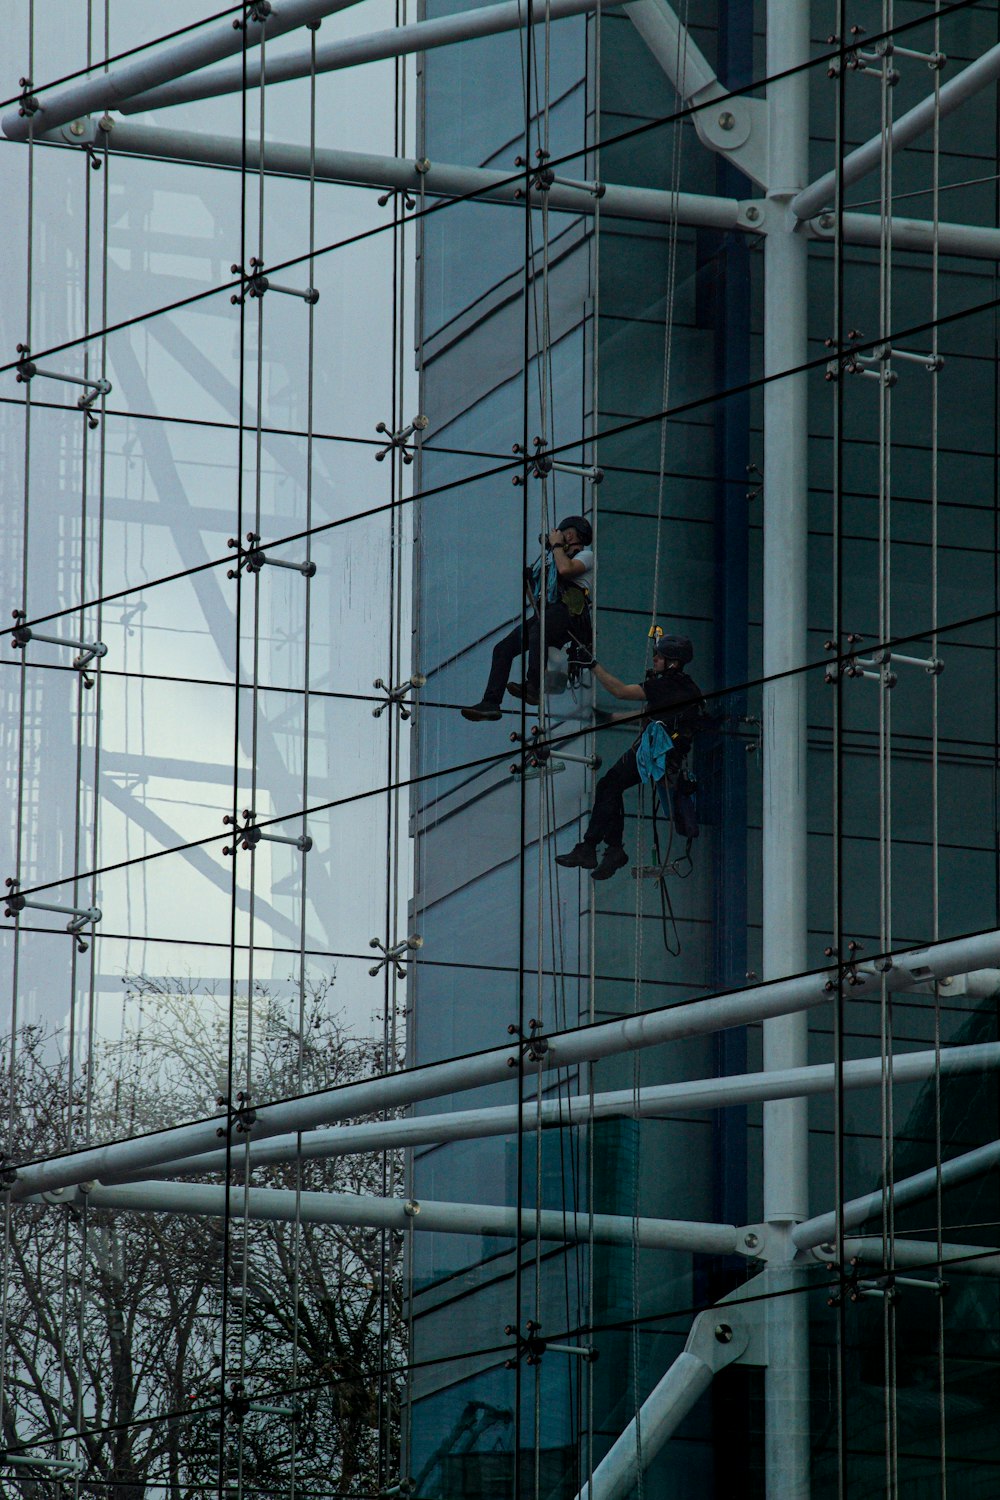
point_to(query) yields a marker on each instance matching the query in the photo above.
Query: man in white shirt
(568, 572)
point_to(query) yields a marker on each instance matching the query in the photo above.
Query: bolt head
(723, 1333)
(753, 214)
(751, 1241)
(727, 120)
(77, 128)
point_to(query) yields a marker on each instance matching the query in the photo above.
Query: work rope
(19, 834)
(297, 1232)
(935, 731)
(224, 1476)
(885, 748)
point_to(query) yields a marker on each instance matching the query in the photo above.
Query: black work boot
(583, 857)
(484, 710)
(613, 860)
(524, 690)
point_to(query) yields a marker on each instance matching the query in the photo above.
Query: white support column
(51, 108)
(399, 41)
(656, 1099)
(436, 179)
(785, 1142)
(284, 1205)
(566, 1049)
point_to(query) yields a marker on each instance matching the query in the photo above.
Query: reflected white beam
(668, 1403)
(823, 1228)
(977, 76)
(977, 242)
(209, 44)
(958, 1260)
(398, 41)
(364, 169)
(700, 1094)
(284, 1206)
(564, 1049)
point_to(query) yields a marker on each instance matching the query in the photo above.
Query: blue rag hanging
(651, 756)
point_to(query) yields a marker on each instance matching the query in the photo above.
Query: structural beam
(822, 1229)
(977, 76)
(785, 882)
(363, 169)
(957, 1260)
(738, 129)
(398, 41)
(659, 1099)
(441, 181)
(708, 1350)
(285, 1206)
(50, 108)
(978, 242)
(566, 1049)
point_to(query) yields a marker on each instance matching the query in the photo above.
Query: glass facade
(352, 1144)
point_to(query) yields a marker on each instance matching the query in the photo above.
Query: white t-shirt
(584, 580)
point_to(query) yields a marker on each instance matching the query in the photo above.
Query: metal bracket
(398, 696)
(255, 284)
(854, 1286)
(30, 1461)
(531, 1346)
(255, 10)
(876, 64)
(244, 1116)
(27, 370)
(538, 757)
(253, 558)
(541, 464)
(542, 178)
(87, 651)
(28, 105)
(401, 438)
(395, 955)
(533, 1047)
(249, 836)
(79, 916)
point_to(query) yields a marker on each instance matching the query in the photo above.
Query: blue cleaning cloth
(652, 752)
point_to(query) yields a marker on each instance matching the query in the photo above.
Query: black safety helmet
(581, 526)
(674, 648)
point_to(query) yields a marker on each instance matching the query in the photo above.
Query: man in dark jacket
(568, 569)
(672, 697)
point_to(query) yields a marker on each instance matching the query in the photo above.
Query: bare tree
(171, 1354)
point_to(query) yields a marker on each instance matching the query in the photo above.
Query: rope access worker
(569, 575)
(674, 701)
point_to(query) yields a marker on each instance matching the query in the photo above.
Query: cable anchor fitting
(87, 652)
(530, 1347)
(254, 284)
(401, 438)
(541, 464)
(409, 203)
(847, 971)
(538, 756)
(244, 1116)
(541, 178)
(398, 696)
(249, 836)
(28, 105)
(256, 10)
(79, 916)
(93, 389)
(253, 558)
(533, 1047)
(396, 955)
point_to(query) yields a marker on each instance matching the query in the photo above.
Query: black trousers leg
(607, 821)
(557, 632)
(505, 653)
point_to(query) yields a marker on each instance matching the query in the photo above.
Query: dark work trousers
(607, 821)
(559, 626)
